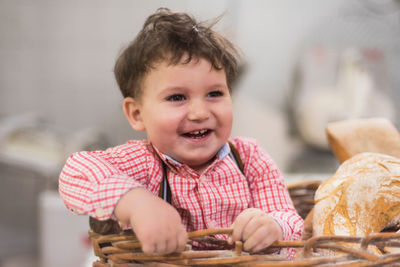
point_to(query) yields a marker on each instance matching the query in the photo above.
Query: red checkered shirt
(92, 183)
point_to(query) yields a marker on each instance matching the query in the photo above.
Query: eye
(176, 97)
(215, 94)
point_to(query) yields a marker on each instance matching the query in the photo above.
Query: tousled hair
(171, 36)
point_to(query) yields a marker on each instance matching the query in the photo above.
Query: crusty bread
(350, 137)
(363, 196)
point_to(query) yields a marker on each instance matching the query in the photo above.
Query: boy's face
(186, 111)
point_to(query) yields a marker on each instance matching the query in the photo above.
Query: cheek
(228, 125)
(227, 116)
(225, 122)
(167, 122)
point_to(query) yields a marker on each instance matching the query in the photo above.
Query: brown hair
(168, 35)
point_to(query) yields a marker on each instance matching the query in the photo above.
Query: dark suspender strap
(236, 157)
(165, 190)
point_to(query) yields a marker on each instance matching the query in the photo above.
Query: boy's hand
(156, 223)
(256, 229)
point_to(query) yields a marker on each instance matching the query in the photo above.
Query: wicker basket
(123, 249)
(302, 194)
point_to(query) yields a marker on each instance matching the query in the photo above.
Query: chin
(198, 163)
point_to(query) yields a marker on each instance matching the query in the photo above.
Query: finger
(148, 248)
(168, 242)
(266, 242)
(238, 226)
(259, 239)
(252, 226)
(147, 241)
(171, 242)
(263, 248)
(171, 246)
(182, 240)
(161, 246)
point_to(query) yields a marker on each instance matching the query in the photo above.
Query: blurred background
(306, 63)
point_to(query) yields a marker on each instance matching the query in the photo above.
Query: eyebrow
(184, 88)
(219, 85)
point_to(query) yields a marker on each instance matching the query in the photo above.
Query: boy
(176, 79)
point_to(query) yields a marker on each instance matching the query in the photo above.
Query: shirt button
(202, 179)
(100, 213)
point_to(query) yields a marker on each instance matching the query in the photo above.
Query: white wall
(56, 57)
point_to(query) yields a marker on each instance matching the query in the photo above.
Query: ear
(132, 111)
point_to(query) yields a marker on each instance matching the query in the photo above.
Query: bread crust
(363, 196)
(350, 137)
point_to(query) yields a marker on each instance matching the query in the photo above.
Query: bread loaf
(350, 137)
(363, 196)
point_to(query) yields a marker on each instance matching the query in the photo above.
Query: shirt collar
(221, 154)
(224, 151)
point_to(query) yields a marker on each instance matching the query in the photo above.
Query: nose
(198, 110)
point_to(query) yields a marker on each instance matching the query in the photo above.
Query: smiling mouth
(197, 134)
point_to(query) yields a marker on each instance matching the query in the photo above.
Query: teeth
(199, 132)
